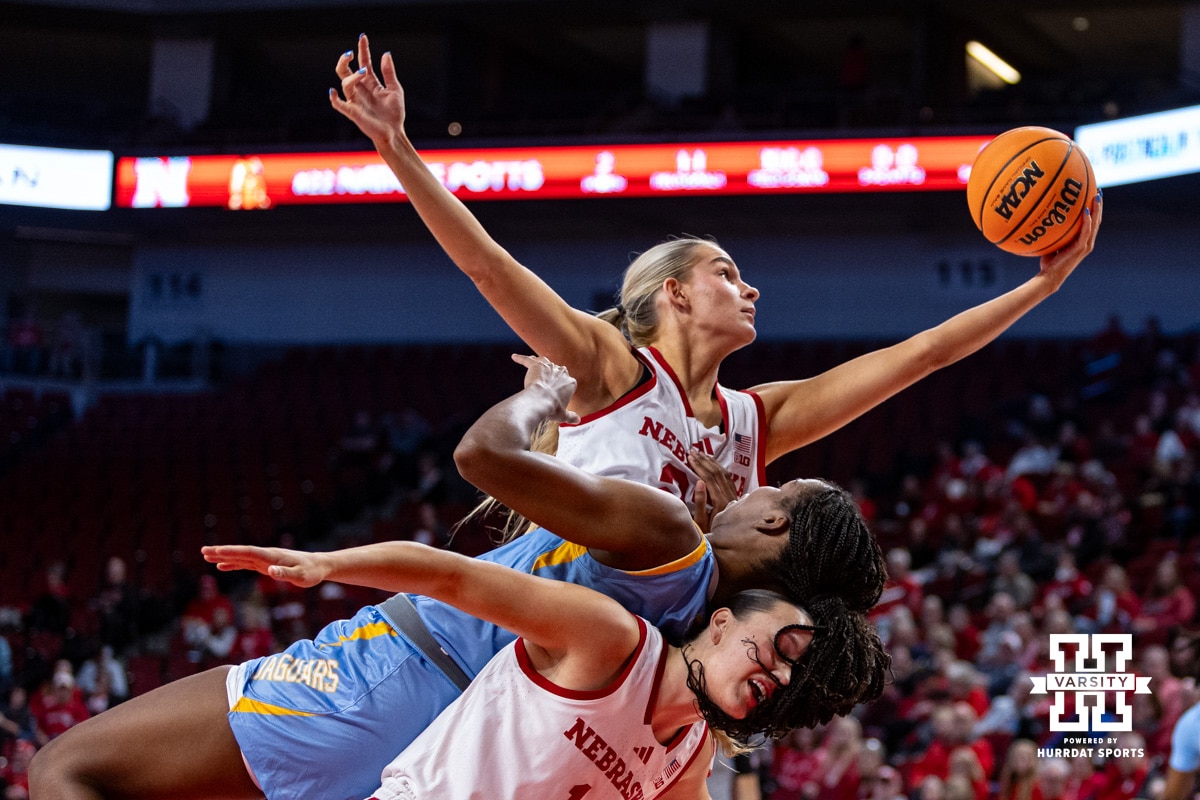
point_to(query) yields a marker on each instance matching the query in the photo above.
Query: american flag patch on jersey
(743, 444)
(667, 773)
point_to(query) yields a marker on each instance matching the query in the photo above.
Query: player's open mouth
(758, 692)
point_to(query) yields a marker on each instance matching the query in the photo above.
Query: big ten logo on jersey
(161, 182)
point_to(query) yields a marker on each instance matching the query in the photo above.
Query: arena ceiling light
(994, 63)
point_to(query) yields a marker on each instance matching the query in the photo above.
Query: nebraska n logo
(1091, 681)
(644, 753)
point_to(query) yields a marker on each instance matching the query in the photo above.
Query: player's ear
(718, 624)
(773, 523)
(675, 291)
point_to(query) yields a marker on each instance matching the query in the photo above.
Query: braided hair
(844, 665)
(830, 551)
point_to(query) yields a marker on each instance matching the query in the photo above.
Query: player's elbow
(930, 351)
(471, 455)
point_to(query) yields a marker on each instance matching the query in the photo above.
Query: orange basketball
(1028, 189)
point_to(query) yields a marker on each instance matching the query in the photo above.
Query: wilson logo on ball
(1028, 189)
(1059, 213)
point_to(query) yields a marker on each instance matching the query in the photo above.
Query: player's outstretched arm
(551, 614)
(639, 527)
(294, 566)
(800, 412)
(593, 350)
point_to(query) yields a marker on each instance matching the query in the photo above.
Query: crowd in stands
(1079, 513)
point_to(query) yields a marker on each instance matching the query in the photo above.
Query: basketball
(1028, 189)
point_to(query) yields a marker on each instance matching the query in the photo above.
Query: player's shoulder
(1191, 718)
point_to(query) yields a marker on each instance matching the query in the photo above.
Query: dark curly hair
(844, 665)
(830, 551)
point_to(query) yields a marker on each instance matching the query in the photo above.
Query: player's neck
(695, 366)
(675, 705)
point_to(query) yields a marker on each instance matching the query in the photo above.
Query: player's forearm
(970, 330)
(392, 567)
(455, 228)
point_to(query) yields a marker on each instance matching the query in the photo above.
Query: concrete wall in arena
(875, 287)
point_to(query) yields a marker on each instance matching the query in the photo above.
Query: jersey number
(579, 790)
(672, 474)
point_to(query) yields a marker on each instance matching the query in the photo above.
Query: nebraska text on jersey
(645, 435)
(600, 753)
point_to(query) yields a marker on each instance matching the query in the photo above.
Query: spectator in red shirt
(1018, 775)
(1166, 702)
(1155, 662)
(796, 766)
(1068, 584)
(964, 765)
(839, 753)
(1054, 780)
(1169, 603)
(888, 785)
(966, 635)
(1122, 776)
(1114, 605)
(15, 773)
(966, 685)
(207, 600)
(254, 638)
(953, 727)
(902, 587)
(206, 617)
(61, 708)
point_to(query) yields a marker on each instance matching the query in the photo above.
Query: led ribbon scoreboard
(267, 180)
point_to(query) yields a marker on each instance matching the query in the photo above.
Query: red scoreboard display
(258, 181)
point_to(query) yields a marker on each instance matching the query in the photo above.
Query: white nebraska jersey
(514, 735)
(645, 435)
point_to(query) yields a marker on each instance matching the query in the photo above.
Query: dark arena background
(176, 373)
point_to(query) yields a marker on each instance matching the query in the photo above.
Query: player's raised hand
(294, 566)
(544, 373)
(1059, 265)
(376, 107)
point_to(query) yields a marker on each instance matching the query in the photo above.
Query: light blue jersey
(323, 718)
